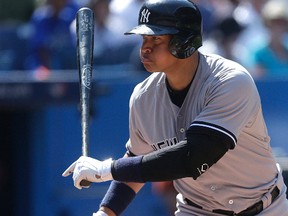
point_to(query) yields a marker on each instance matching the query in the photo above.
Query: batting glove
(90, 169)
(100, 213)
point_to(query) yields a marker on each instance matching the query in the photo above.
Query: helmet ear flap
(182, 47)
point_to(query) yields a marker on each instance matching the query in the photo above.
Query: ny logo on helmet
(145, 16)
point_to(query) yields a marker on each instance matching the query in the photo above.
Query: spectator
(248, 14)
(124, 15)
(271, 58)
(223, 38)
(107, 40)
(51, 45)
(208, 15)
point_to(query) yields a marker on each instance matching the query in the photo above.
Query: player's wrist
(106, 174)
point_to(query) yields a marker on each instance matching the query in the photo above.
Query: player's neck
(184, 73)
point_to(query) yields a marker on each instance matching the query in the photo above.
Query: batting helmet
(180, 18)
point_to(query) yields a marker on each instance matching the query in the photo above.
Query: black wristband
(118, 197)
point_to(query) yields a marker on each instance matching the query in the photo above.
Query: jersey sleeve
(232, 103)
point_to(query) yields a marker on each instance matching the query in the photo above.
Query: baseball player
(196, 120)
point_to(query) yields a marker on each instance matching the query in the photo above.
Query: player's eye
(145, 37)
(156, 38)
(152, 39)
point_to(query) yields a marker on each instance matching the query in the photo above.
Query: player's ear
(184, 46)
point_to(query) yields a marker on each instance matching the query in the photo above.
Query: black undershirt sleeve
(189, 158)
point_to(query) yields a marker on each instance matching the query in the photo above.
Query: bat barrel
(85, 46)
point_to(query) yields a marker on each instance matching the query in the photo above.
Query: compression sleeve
(189, 158)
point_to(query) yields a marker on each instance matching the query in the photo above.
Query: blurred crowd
(251, 32)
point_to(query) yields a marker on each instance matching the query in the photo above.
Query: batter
(196, 120)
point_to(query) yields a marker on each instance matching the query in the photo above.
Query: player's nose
(145, 49)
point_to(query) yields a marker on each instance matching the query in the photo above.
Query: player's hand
(92, 170)
(100, 213)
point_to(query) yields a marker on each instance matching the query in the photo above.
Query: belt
(250, 211)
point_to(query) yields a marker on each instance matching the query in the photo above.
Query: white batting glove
(100, 213)
(90, 169)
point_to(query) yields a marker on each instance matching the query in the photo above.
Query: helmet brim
(145, 29)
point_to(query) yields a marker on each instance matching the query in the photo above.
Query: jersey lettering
(164, 143)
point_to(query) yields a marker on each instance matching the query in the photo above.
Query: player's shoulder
(220, 67)
(218, 61)
(155, 80)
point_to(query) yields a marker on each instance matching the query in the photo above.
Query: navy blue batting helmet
(180, 18)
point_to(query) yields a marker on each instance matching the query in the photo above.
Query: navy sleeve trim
(216, 128)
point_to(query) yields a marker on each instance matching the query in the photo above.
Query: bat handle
(85, 183)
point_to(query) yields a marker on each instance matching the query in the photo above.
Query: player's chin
(149, 68)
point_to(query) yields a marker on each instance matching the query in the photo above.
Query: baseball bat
(85, 46)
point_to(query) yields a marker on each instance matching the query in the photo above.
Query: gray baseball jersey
(222, 94)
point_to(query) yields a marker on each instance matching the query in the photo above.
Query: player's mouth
(145, 59)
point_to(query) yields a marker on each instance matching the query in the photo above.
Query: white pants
(278, 208)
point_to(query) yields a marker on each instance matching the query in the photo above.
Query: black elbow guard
(206, 147)
(189, 158)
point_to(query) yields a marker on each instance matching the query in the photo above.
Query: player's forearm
(173, 162)
(135, 186)
(131, 169)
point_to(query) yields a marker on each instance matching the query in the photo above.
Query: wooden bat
(85, 46)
